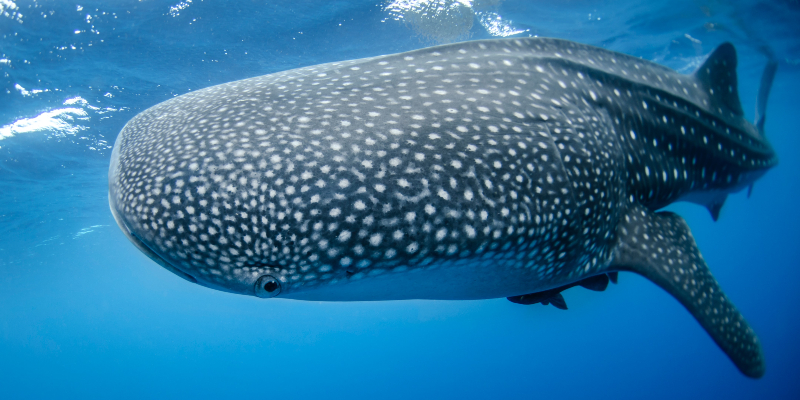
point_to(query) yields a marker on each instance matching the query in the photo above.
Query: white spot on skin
(470, 231)
(468, 194)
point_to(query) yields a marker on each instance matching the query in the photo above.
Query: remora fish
(485, 169)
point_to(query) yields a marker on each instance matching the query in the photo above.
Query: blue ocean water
(83, 314)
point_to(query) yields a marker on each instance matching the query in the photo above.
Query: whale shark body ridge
(498, 168)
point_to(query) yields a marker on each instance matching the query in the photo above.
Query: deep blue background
(84, 315)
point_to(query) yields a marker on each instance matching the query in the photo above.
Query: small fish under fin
(557, 300)
(679, 268)
(749, 190)
(545, 297)
(715, 206)
(597, 283)
(553, 296)
(613, 276)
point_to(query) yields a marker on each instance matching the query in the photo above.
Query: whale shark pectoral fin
(660, 247)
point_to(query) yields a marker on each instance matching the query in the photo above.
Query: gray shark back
(475, 170)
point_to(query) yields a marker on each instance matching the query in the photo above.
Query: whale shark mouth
(112, 197)
(143, 247)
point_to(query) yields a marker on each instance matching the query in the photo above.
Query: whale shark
(485, 169)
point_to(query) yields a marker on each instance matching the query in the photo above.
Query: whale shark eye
(267, 287)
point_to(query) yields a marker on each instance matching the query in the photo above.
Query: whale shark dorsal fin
(660, 247)
(717, 76)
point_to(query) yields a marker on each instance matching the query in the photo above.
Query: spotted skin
(475, 170)
(660, 247)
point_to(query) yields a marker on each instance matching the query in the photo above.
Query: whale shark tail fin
(763, 93)
(660, 247)
(717, 76)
